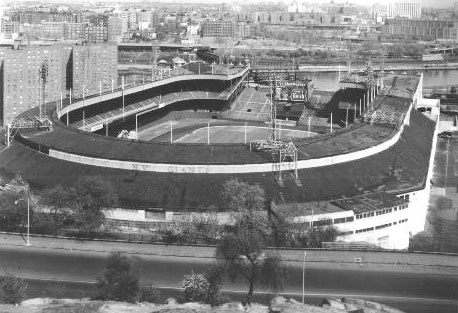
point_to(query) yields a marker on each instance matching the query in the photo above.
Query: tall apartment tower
(115, 33)
(21, 87)
(94, 66)
(401, 8)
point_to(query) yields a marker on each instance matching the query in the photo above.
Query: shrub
(119, 282)
(12, 289)
(150, 294)
(195, 287)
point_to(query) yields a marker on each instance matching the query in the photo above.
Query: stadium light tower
(272, 113)
(43, 77)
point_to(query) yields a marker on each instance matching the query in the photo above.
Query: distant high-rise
(94, 65)
(403, 8)
(115, 33)
(95, 34)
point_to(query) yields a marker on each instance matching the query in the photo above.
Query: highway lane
(406, 288)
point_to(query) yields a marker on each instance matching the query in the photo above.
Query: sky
(424, 3)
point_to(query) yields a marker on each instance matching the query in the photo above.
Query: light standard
(28, 218)
(303, 278)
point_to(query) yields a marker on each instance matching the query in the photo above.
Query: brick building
(21, 87)
(69, 67)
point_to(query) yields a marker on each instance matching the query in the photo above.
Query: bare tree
(240, 254)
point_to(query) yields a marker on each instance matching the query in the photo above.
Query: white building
(401, 8)
(296, 7)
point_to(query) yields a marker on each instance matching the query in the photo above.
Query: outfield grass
(236, 134)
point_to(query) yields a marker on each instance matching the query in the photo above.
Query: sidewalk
(103, 246)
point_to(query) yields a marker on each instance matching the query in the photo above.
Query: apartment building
(22, 87)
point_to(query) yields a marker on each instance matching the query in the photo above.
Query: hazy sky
(424, 3)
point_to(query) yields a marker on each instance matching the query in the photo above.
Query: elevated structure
(283, 153)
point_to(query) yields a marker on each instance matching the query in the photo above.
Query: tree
(423, 242)
(92, 194)
(12, 289)
(60, 203)
(243, 196)
(319, 234)
(239, 254)
(120, 281)
(13, 204)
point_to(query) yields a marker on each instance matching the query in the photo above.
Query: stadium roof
(401, 168)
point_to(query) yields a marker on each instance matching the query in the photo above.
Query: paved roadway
(412, 291)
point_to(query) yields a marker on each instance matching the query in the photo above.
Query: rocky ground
(277, 305)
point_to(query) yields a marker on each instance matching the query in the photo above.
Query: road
(410, 291)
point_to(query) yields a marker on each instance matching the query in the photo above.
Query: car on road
(445, 135)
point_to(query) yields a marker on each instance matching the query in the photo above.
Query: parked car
(445, 135)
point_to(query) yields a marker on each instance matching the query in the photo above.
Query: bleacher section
(251, 105)
(155, 102)
(387, 111)
(166, 96)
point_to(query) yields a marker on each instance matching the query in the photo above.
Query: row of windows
(364, 230)
(365, 215)
(383, 226)
(407, 197)
(350, 232)
(380, 226)
(380, 212)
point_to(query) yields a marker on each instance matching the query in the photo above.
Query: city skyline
(425, 3)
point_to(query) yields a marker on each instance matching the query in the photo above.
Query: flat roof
(370, 202)
(400, 85)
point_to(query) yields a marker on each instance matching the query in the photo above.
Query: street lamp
(303, 278)
(28, 218)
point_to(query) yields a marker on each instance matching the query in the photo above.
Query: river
(431, 78)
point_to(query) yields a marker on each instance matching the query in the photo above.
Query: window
(349, 219)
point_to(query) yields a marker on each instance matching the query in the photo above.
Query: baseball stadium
(361, 161)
